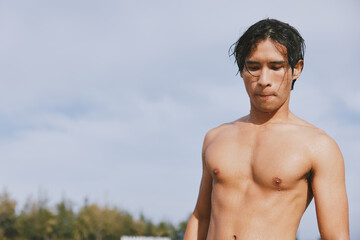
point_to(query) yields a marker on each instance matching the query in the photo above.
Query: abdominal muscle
(250, 211)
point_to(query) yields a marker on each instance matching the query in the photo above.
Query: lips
(265, 95)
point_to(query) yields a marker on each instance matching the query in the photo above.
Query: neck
(259, 117)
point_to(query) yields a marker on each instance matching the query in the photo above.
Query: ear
(297, 69)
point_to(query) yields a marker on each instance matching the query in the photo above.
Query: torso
(261, 176)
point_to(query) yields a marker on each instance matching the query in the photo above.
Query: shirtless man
(261, 171)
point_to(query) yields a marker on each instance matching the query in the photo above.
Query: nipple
(216, 171)
(276, 181)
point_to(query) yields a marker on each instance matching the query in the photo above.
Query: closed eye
(277, 65)
(275, 68)
(253, 68)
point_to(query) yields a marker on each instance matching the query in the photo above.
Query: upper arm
(328, 186)
(203, 205)
(198, 224)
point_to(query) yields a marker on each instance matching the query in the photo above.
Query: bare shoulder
(325, 151)
(212, 134)
(321, 145)
(224, 130)
(303, 127)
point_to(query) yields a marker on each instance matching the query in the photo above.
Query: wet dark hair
(277, 31)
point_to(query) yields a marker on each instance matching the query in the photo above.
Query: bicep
(203, 204)
(328, 185)
(198, 224)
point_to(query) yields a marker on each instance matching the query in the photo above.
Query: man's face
(268, 76)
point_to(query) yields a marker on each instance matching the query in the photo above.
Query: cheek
(249, 85)
(285, 81)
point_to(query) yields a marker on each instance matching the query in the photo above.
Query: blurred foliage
(36, 221)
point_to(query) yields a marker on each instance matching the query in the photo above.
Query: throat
(259, 117)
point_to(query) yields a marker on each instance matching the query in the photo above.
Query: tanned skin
(261, 171)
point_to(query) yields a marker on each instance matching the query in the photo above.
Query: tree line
(91, 222)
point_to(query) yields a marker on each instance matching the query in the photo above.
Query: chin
(267, 108)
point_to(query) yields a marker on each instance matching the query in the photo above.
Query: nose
(265, 78)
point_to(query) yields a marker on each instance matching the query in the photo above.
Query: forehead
(268, 49)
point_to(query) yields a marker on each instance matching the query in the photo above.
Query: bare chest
(275, 163)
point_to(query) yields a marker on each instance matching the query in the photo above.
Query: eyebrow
(278, 62)
(273, 62)
(252, 62)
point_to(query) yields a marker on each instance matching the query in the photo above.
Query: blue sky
(110, 100)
